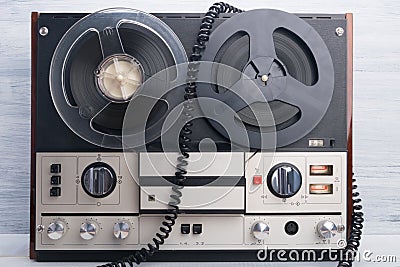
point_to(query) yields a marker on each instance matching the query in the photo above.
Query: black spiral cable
(353, 242)
(180, 174)
(142, 255)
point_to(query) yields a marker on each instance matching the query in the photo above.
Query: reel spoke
(300, 95)
(261, 41)
(110, 42)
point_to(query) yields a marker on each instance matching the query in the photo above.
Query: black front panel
(52, 135)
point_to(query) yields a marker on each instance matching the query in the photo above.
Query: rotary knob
(260, 230)
(88, 230)
(99, 180)
(56, 230)
(327, 229)
(284, 180)
(121, 230)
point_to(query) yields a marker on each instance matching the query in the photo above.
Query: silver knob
(88, 230)
(260, 230)
(284, 180)
(56, 230)
(121, 230)
(327, 229)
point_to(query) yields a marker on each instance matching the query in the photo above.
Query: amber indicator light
(321, 169)
(321, 188)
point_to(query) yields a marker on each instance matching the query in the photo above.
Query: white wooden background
(377, 97)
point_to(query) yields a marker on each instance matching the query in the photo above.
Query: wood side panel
(34, 29)
(349, 31)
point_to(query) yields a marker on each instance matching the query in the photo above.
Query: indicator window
(321, 170)
(321, 189)
(316, 143)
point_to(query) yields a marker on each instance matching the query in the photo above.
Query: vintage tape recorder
(193, 137)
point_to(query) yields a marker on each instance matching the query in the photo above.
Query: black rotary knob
(284, 180)
(99, 180)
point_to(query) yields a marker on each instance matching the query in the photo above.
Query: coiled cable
(180, 174)
(353, 242)
(142, 255)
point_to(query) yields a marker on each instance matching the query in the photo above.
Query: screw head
(40, 228)
(264, 78)
(339, 31)
(43, 31)
(341, 228)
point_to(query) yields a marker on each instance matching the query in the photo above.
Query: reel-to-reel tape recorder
(231, 130)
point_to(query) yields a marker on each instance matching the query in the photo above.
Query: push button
(55, 191)
(197, 229)
(55, 168)
(257, 179)
(55, 180)
(185, 229)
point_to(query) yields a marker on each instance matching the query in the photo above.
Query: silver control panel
(287, 201)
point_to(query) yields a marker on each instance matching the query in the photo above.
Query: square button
(197, 229)
(55, 180)
(185, 229)
(55, 168)
(257, 179)
(55, 191)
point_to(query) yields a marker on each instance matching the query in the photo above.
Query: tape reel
(289, 62)
(101, 62)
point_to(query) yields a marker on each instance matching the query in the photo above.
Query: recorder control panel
(287, 200)
(192, 231)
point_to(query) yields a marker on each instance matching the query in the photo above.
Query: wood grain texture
(376, 120)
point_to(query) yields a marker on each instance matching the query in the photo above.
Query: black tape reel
(98, 68)
(289, 62)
